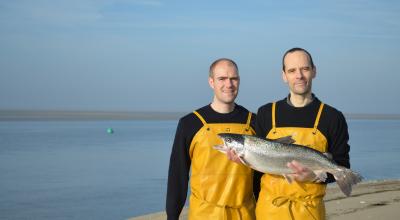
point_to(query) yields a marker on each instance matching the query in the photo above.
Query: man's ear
(284, 77)
(211, 82)
(314, 72)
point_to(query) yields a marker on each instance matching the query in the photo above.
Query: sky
(150, 55)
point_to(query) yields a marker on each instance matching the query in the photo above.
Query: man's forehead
(228, 73)
(224, 64)
(296, 58)
(225, 70)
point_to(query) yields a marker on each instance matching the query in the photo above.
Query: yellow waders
(220, 189)
(280, 200)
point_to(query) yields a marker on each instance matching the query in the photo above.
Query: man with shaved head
(219, 189)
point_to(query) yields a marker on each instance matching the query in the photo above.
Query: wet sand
(369, 200)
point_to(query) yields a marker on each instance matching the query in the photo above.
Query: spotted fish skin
(272, 156)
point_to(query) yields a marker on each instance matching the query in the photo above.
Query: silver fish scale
(272, 157)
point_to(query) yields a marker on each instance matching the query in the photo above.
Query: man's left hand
(300, 172)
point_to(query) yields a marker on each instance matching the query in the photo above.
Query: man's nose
(299, 74)
(229, 83)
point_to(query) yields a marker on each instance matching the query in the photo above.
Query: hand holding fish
(300, 172)
(233, 156)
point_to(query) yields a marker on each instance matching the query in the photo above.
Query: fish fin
(346, 178)
(320, 176)
(328, 155)
(221, 148)
(288, 178)
(285, 140)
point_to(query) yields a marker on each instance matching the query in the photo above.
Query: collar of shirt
(290, 103)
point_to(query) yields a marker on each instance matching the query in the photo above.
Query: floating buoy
(110, 130)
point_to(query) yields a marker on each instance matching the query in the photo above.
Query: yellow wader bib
(280, 200)
(220, 188)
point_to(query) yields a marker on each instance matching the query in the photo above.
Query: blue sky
(154, 55)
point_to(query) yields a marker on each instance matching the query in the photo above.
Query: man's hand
(232, 155)
(301, 173)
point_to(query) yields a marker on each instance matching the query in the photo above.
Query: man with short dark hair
(310, 123)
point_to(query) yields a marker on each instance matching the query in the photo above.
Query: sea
(81, 170)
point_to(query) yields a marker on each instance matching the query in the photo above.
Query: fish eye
(228, 140)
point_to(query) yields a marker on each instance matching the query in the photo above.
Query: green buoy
(110, 130)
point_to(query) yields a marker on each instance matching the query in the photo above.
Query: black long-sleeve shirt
(332, 125)
(179, 166)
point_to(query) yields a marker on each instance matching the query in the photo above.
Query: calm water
(76, 170)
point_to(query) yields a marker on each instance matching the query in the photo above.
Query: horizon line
(19, 115)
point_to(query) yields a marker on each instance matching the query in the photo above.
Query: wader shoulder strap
(273, 117)
(249, 119)
(318, 117)
(200, 117)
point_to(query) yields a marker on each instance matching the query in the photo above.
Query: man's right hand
(233, 156)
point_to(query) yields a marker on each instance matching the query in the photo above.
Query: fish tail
(346, 178)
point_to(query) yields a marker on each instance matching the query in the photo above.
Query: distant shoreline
(372, 116)
(43, 115)
(22, 115)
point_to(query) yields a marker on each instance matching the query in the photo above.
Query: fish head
(233, 141)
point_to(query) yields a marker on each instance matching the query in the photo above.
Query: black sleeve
(260, 123)
(262, 127)
(256, 183)
(257, 175)
(338, 143)
(253, 121)
(178, 174)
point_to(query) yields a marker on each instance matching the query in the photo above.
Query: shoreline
(23, 115)
(377, 199)
(49, 115)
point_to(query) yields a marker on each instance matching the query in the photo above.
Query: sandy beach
(369, 200)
